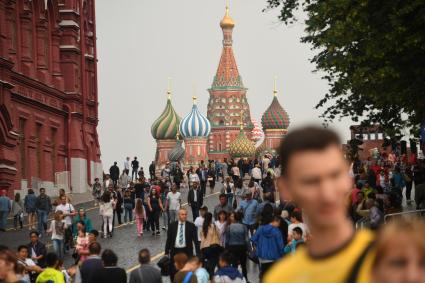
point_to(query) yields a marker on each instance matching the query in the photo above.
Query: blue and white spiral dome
(195, 124)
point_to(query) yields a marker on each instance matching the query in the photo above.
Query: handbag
(252, 255)
(164, 265)
(76, 256)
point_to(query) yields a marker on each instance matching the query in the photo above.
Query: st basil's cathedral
(228, 130)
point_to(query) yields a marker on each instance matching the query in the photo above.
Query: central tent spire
(227, 75)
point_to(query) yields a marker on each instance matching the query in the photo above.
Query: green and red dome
(167, 124)
(275, 116)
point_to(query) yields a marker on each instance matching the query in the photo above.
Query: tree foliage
(372, 54)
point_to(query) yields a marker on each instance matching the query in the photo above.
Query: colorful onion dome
(257, 132)
(227, 21)
(275, 116)
(242, 147)
(166, 126)
(177, 153)
(195, 124)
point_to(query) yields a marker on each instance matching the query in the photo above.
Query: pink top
(82, 244)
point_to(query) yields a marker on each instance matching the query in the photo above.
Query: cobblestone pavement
(125, 241)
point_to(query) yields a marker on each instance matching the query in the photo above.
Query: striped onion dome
(275, 116)
(166, 126)
(257, 132)
(242, 147)
(177, 153)
(195, 124)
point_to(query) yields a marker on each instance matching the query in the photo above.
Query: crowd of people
(306, 224)
(382, 184)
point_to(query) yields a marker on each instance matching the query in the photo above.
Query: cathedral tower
(227, 99)
(164, 130)
(195, 129)
(275, 122)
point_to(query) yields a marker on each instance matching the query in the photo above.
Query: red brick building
(372, 137)
(48, 95)
(227, 99)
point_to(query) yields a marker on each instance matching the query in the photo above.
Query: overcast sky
(141, 43)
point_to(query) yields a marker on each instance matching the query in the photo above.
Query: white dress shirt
(195, 195)
(178, 244)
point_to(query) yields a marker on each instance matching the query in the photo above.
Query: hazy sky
(141, 43)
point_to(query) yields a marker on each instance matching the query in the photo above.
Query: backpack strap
(352, 278)
(187, 277)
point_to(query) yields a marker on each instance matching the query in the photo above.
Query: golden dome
(227, 21)
(242, 147)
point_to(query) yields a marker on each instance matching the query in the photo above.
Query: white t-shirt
(27, 262)
(66, 209)
(193, 177)
(199, 221)
(174, 200)
(236, 171)
(221, 230)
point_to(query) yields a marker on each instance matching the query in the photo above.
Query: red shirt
(354, 197)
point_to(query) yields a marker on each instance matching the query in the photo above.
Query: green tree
(372, 54)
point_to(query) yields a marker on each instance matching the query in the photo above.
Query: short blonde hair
(413, 227)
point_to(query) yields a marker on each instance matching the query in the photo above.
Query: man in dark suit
(114, 172)
(92, 264)
(181, 237)
(195, 199)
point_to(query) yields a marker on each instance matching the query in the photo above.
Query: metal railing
(420, 211)
(365, 221)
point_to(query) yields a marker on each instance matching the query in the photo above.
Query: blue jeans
(230, 199)
(3, 219)
(128, 212)
(58, 247)
(42, 221)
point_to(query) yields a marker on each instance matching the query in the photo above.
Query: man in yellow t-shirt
(316, 176)
(51, 274)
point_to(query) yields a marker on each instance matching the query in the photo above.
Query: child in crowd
(400, 252)
(226, 273)
(201, 273)
(297, 239)
(57, 228)
(82, 243)
(140, 216)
